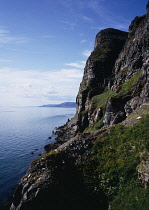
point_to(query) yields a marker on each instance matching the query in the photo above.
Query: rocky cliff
(98, 69)
(96, 164)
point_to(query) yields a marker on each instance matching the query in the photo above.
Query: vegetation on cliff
(113, 166)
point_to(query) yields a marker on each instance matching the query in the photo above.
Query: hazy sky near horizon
(44, 45)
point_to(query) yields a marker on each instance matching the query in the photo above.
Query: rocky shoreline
(59, 140)
(58, 169)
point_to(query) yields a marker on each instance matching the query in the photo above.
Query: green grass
(132, 197)
(83, 113)
(101, 100)
(112, 167)
(95, 127)
(132, 118)
(98, 101)
(45, 156)
(128, 87)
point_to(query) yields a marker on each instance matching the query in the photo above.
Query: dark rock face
(109, 35)
(67, 131)
(135, 53)
(99, 66)
(132, 64)
(115, 112)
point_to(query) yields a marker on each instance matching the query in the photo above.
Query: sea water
(23, 134)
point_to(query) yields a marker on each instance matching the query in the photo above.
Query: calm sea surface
(24, 131)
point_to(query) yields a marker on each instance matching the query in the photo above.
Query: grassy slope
(112, 168)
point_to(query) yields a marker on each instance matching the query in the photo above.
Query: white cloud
(83, 41)
(6, 37)
(82, 34)
(70, 73)
(77, 64)
(121, 26)
(95, 5)
(97, 28)
(37, 88)
(87, 19)
(86, 53)
(48, 36)
(3, 31)
(68, 25)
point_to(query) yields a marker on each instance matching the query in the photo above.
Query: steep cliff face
(98, 69)
(94, 163)
(119, 79)
(131, 72)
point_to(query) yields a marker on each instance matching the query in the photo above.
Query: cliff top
(110, 34)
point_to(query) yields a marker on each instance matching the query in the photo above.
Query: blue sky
(44, 45)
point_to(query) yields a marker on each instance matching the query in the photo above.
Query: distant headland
(62, 105)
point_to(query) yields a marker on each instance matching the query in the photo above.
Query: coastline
(57, 132)
(58, 174)
(35, 150)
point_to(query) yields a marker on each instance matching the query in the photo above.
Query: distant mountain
(62, 105)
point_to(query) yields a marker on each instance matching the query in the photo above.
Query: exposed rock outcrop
(131, 70)
(98, 69)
